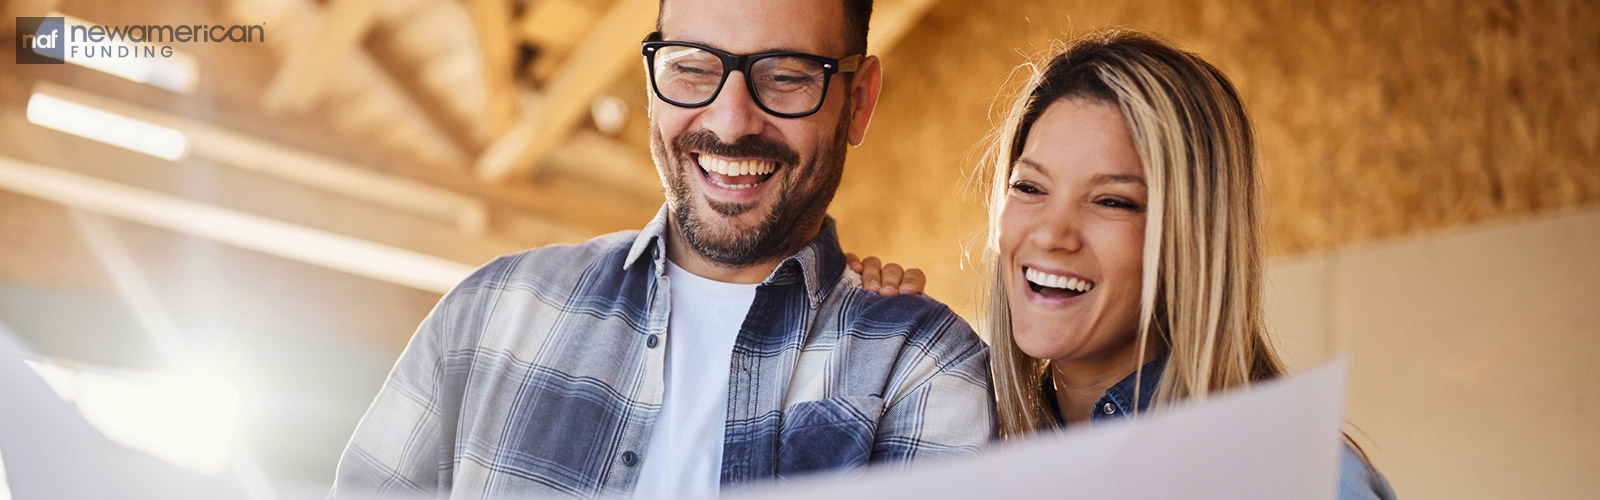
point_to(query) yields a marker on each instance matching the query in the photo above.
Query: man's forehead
(749, 26)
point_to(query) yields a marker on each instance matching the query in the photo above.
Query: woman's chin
(1041, 344)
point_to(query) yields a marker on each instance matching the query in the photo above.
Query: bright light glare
(5, 488)
(107, 127)
(609, 113)
(178, 73)
(187, 421)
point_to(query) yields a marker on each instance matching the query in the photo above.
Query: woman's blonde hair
(1201, 293)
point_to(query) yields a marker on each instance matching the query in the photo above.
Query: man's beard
(783, 230)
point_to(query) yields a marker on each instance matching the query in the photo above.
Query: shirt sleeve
(1358, 480)
(949, 413)
(400, 447)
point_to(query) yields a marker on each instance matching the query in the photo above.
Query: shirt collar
(651, 239)
(1119, 396)
(819, 265)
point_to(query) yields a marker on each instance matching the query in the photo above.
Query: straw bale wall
(1375, 120)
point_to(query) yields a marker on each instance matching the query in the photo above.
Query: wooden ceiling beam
(310, 169)
(463, 134)
(253, 232)
(574, 199)
(600, 59)
(314, 59)
(491, 23)
(363, 101)
(554, 26)
(557, 24)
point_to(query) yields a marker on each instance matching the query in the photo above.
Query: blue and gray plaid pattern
(537, 376)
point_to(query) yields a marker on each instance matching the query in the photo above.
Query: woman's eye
(1025, 188)
(1118, 203)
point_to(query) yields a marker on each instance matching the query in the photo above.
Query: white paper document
(1277, 440)
(52, 452)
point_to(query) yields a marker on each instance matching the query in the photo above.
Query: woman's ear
(864, 97)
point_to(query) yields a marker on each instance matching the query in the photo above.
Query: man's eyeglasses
(785, 84)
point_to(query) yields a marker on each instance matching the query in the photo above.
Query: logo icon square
(41, 40)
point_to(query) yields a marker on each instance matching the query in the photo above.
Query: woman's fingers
(891, 279)
(870, 275)
(852, 262)
(914, 281)
(886, 279)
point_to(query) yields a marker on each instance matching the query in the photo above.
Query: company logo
(54, 40)
(41, 40)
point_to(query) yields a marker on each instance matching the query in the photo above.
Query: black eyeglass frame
(742, 63)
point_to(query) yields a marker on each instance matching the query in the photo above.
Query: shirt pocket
(833, 433)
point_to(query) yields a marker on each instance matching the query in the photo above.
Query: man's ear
(864, 97)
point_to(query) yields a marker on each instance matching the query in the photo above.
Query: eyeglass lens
(784, 84)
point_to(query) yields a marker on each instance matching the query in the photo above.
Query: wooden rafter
(573, 200)
(465, 135)
(600, 59)
(592, 66)
(490, 20)
(269, 236)
(388, 116)
(554, 26)
(314, 59)
(318, 171)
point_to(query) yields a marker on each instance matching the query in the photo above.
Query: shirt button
(630, 458)
(1108, 409)
(651, 342)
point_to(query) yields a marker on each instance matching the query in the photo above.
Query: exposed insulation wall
(1375, 119)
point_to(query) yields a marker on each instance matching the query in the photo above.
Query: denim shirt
(1357, 479)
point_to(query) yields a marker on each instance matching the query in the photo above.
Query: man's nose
(733, 114)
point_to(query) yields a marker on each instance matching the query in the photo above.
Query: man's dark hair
(857, 15)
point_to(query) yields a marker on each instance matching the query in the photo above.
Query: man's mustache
(750, 146)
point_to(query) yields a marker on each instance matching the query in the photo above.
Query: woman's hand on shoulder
(886, 279)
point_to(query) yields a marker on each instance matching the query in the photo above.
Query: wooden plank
(490, 20)
(314, 59)
(261, 234)
(463, 131)
(594, 64)
(555, 26)
(270, 158)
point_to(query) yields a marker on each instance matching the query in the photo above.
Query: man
(721, 345)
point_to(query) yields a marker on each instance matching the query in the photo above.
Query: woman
(1124, 256)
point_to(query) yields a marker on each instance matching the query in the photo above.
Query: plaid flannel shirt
(542, 373)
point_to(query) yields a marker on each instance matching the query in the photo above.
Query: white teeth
(725, 167)
(732, 186)
(1054, 281)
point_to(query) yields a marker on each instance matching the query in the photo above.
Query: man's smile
(735, 174)
(734, 179)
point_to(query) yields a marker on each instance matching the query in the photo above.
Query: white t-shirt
(685, 453)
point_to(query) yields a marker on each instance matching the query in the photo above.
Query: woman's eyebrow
(1024, 162)
(1115, 179)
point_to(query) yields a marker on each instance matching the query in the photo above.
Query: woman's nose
(1058, 230)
